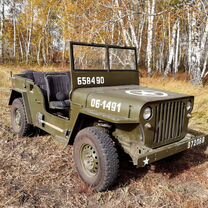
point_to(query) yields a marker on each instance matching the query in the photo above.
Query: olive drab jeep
(99, 105)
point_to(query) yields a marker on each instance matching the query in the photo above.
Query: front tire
(96, 158)
(19, 122)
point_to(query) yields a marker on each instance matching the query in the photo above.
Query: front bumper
(192, 139)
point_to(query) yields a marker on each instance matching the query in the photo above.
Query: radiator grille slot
(170, 119)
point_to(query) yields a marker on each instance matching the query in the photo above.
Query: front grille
(170, 119)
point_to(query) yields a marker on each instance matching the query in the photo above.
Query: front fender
(112, 118)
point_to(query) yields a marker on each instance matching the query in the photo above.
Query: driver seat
(58, 87)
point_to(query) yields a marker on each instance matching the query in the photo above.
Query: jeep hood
(131, 97)
(131, 93)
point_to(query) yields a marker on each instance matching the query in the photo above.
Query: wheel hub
(89, 159)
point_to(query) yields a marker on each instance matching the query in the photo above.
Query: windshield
(122, 59)
(101, 57)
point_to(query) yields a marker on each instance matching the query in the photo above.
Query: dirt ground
(36, 172)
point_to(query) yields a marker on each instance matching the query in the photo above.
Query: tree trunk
(176, 64)
(189, 40)
(196, 52)
(151, 11)
(14, 30)
(63, 53)
(2, 16)
(21, 49)
(161, 61)
(132, 28)
(30, 29)
(124, 31)
(15, 39)
(205, 66)
(203, 52)
(171, 49)
(44, 52)
(141, 28)
(39, 50)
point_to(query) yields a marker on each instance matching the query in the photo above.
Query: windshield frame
(107, 47)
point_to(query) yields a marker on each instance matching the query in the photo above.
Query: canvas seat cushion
(58, 87)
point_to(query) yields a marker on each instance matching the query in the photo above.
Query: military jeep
(99, 107)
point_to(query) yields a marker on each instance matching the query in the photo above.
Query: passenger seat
(58, 87)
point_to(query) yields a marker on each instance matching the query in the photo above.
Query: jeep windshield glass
(101, 57)
(89, 58)
(122, 59)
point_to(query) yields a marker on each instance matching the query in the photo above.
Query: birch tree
(195, 53)
(203, 52)
(29, 30)
(150, 30)
(198, 43)
(121, 21)
(2, 16)
(173, 49)
(14, 27)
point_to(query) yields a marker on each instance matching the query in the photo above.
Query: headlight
(147, 113)
(189, 106)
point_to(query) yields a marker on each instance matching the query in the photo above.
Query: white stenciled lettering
(196, 142)
(106, 105)
(90, 80)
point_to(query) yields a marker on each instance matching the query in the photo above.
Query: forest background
(170, 35)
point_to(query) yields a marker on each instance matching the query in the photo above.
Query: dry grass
(35, 172)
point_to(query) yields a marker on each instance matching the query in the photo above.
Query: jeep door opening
(98, 106)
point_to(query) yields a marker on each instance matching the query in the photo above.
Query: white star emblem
(146, 161)
(146, 93)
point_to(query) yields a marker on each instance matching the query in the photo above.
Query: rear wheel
(19, 122)
(96, 158)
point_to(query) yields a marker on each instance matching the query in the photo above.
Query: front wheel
(96, 158)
